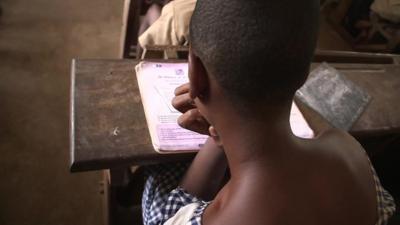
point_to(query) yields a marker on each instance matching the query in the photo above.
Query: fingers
(191, 118)
(183, 102)
(184, 88)
(194, 121)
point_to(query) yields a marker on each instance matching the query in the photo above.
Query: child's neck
(250, 142)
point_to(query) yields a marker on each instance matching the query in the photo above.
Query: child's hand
(191, 118)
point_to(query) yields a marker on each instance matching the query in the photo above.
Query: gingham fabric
(162, 197)
(385, 202)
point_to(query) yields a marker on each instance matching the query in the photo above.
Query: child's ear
(214, 134)
(198, 76)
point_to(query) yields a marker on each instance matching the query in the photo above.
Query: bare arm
(206, 175)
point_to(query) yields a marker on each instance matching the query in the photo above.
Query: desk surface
(108, 127)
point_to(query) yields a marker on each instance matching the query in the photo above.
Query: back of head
(257, 50)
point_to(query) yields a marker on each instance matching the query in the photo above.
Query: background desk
(108, 127)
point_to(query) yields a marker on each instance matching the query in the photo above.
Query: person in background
(387, 9)
(246, 61)
(172, 27)
(152, 13)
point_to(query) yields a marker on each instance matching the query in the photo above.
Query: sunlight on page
(299, 125)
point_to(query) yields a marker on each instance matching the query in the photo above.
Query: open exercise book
(157, 82)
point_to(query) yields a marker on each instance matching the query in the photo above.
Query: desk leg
(122, 191)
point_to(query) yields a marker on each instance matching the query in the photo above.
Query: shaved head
(257, 50)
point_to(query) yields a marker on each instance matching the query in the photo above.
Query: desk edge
(72, 115)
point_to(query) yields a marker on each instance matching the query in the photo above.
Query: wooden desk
(108, 127)
(382, 115)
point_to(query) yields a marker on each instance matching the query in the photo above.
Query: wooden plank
(382, 115)
(108, 126)
(354, 57)
(131, 19)
(157, 51)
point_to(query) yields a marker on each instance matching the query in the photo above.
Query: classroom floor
(38, 39)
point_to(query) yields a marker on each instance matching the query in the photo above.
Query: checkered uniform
(162, 198)
(385, 202)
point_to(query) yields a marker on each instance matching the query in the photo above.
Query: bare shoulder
(330, 183)
(334, 133)
(349, 171)
(342, 143)
(345, 153)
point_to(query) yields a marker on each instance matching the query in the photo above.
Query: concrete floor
(38, 39)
